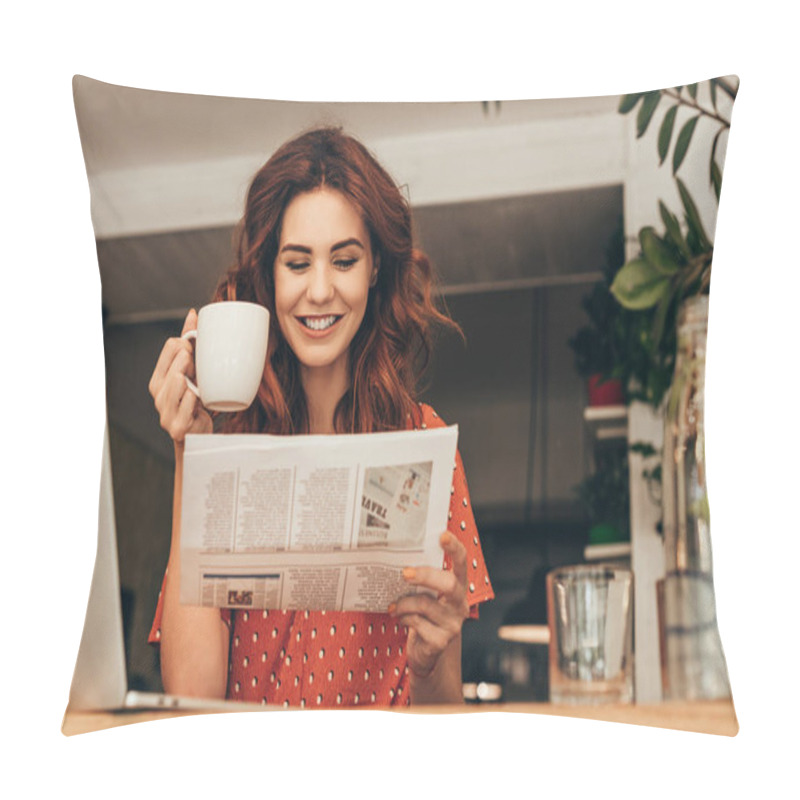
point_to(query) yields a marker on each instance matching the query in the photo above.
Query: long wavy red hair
(392, 346)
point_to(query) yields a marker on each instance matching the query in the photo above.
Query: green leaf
(692, 89)
(716, 178)
(657, 252)
(660, 316)
(693, 218)
(714, 143)
(628, 102)
(638, 285)
(713, 154)
(694, 243)
(731, 91)
(674, 230)
(715, 173)
(682, 145)
(689, 281)
(665, 133)
(644, 449)
(646, 110)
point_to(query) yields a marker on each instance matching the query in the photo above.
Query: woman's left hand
(434, 622)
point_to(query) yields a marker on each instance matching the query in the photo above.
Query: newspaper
(312, 522)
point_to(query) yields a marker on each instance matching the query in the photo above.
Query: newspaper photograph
(394, 504)
(312, 522)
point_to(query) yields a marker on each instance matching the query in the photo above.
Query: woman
(325, 244)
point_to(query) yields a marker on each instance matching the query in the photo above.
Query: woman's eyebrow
(301, 248)
(346, 243)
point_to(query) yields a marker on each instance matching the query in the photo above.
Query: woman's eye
(296, 265)
(344, 263)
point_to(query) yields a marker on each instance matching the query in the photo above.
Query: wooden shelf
(607, 422)
(527, 634)
(607, 552)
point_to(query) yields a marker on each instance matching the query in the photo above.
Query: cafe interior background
(525, 208)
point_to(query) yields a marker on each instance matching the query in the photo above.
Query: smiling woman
(326, 246)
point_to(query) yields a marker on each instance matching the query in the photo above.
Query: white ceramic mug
(230, 354)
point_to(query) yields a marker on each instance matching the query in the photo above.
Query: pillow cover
(523, 207)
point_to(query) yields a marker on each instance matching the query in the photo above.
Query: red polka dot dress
(319, 659)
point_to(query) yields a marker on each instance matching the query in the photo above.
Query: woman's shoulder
(428, 418)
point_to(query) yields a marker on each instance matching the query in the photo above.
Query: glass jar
(686, 523)
(692, 660)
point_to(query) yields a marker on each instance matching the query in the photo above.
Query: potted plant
(600, 346)
(614, 351)
(605, 497)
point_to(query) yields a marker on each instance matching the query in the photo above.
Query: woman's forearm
(194, 640)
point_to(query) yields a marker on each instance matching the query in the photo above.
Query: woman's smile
(320, 324)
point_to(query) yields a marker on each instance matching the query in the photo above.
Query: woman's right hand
(179, 409)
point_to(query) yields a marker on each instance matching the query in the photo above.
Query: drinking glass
(590, 615)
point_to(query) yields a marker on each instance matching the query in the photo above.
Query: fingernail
(392, 608)
(409, 573)
(444, 539)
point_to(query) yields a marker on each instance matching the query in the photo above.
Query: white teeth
(319, 323)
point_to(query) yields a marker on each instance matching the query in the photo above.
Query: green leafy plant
(616, 342)
(600, 346)
(605, 494)
(669, 268)
(676, 263)
(651, 475)
(648, 102)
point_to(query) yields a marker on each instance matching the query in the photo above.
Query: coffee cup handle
(191, 335)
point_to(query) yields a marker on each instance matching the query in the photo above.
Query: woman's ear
(376, 264)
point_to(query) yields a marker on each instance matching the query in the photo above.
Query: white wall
(465, 164)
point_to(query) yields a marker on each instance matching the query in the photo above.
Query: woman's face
(323, 272)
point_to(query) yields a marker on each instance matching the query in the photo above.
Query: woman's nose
(320, 284)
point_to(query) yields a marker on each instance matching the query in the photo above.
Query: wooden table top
(706, 716)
